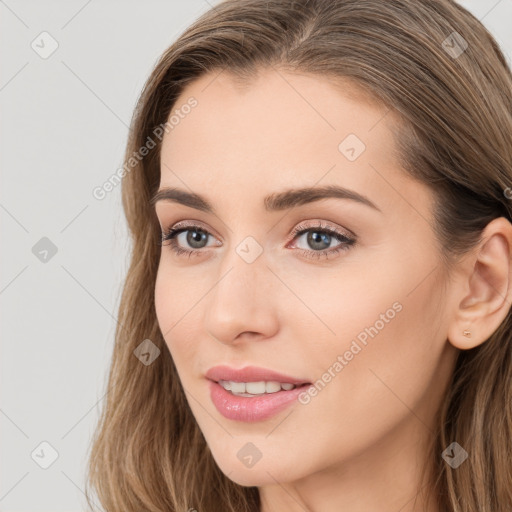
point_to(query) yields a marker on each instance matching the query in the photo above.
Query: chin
(261, 473)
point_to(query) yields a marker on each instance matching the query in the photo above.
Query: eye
(193, 235)
(319, 239)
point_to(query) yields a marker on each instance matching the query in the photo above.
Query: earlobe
(486, 289)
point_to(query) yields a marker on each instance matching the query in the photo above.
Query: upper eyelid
(184, 225)
(324, 225)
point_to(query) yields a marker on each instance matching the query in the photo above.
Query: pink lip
(258, 408)
(250, 374)
(251, 409)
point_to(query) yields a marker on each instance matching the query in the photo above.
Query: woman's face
(355, 304)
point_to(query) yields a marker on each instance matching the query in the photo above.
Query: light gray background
(64, 128)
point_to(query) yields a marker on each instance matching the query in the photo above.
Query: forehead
(276, 102)
(279, 129)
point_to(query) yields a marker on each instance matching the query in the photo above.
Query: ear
(486, 287)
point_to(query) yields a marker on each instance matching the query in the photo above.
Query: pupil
(195, 237)
(318, 238)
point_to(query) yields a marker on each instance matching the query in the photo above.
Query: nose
(243, 303)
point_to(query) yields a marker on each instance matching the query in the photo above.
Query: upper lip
(250, 374)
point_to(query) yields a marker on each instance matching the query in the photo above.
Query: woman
(317, 312)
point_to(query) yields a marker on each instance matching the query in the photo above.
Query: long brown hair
(433, 64)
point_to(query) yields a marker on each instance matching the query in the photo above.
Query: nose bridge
(241, 299)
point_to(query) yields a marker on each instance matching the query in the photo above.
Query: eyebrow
(273, 202)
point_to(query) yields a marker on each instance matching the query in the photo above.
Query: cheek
(387, 324)
(164, 302)
(174, 303)
(388, 346)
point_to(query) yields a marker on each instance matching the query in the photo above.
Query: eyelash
(345, 241)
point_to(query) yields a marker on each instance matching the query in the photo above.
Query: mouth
(253, 389)
(252, 407)
(252, 394)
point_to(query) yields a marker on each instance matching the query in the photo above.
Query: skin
(361, 443)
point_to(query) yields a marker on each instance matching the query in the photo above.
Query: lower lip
(252, 409)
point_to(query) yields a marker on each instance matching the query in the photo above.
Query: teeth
(237, 387)
(273, 387)
(255, 388)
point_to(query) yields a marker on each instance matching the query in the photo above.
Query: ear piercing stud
(467, 333)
